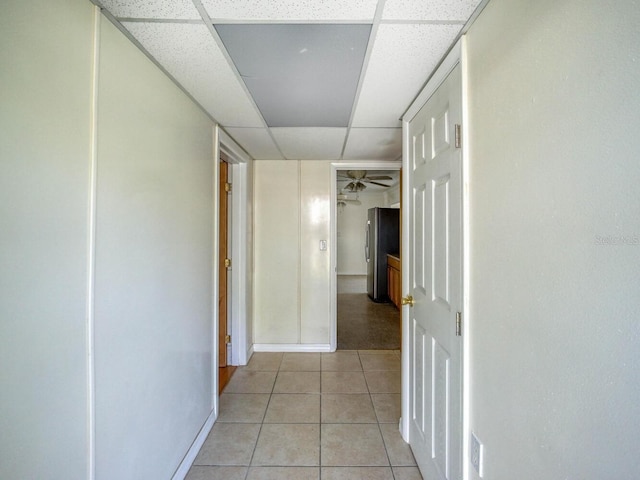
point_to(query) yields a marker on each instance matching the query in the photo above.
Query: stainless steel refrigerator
(382, 237)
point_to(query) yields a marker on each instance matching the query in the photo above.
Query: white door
(435, 282)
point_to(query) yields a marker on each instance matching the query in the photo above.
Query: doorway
(359, 323)
(224, 284)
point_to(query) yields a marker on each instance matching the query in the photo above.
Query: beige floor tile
(293, 408)
(356, 473)
(341, 361)
(379, 352)
(248, 381)
(229, 444)
(407, 473)
(300, 362)
(386, 361)
(388, 407)
(347, 408)
(398, 450)
(284, 473)
(343, 382)
(291, 444)
(265, 361)
(243, 407)
(383, 381)
(352, 445)
(297, 382)
(216, 473)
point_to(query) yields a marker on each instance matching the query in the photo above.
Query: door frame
(240, 163)
(457, 55)
(333, 251)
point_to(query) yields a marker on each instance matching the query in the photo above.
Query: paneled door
(435, 283)
(223, 265)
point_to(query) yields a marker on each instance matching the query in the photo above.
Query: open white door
(434, 263)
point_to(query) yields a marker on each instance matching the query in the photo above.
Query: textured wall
(153, 313)
(45, 126)
(153, 278)
(555, 218)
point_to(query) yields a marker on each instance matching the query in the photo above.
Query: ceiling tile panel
(310, 143)
(299, 75)
(161, 9)
(257, 142)
(189, 53)
(291, 10)
(433, 10)
(402, 59)
(373, 144)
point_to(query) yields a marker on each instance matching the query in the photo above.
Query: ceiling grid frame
(207, 20)
(374, 138)
(367, 56)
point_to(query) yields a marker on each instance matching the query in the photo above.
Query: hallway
(302, 416)
(366, 325)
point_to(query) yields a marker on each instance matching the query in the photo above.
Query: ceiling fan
(358, 178)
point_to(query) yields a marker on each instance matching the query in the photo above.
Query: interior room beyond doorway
(361, 322)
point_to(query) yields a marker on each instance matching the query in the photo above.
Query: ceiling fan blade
(380, 184)
(378, 177)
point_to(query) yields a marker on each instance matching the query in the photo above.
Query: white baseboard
(250, 351)
(188, 459)
(291, 347)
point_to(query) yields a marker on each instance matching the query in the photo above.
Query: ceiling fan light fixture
(357, 174)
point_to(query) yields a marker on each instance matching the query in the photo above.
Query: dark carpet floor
(366, 325)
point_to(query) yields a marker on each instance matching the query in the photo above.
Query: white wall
(351, 226)
(154, 244)
(45, 95)
(153, 313)
(277, 252)
(292, 275)
(555, 338)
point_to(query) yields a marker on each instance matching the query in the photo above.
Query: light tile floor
(315, 416)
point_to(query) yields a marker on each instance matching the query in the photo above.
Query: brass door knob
(408, 300)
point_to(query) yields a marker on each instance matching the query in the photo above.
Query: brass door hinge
(228, 187)
(458, 135)
(227, 339)
(458, 324)
(227, 262)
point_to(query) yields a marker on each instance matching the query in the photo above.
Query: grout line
(319, 423)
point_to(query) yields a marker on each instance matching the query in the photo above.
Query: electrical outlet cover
(477, 453)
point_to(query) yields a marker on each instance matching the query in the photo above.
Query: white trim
(183, 469)
(445, 68)
(91, 253)
(405, 409)
(229, 147)
(466, 265)
(333, 252)
(292, 347)
(239, 269)
(215, 284)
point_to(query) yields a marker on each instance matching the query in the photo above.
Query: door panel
(440, 240)
(435, 276)
(222, 274)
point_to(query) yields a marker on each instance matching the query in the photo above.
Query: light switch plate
(323, 245)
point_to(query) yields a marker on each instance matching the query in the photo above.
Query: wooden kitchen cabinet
(394, 280)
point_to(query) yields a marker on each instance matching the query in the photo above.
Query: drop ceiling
(299, 80)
